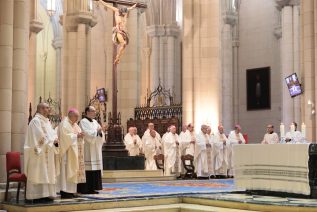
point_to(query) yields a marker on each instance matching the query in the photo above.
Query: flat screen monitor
(101, 95)
(293, 85)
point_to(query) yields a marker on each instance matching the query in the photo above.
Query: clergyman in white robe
(270, 136)
(294, 136)
(152, 147)
(210, 151)
(235, 138)
(40, 147)
(132, 142)
(221, 152)
(172, 153)
(94, 139)
(200, 156)
(71, 155)
(147, 134)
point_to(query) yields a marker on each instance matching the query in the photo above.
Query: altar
(289, 168)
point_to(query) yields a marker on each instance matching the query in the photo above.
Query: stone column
(296, 45)
(154, 32)
(172, 32)
(229, 19)
(19, 80)
(57, 44)
(146, 79)
(77, 22)
(287, 65)
(6, 55)
(35, 27)
(308, 20)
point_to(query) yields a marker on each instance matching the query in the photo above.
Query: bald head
(208, 130)
(184, 128)
(220, 129)
(43, 109)
(131, 130)
(204, 128)
(173, 129)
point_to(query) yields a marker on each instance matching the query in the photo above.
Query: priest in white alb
(270, 136)
(235, 138)
(71, 155)
(150, 127)
(187, 140)
(210, 153)
(94, 139)
(172, 155)
(132, 142)
(200, 156)
(40, 148)
(294, 136)
(221, 152)
(152, 147)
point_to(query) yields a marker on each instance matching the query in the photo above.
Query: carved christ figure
(120, 35)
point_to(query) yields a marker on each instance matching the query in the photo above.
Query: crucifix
(114, 145)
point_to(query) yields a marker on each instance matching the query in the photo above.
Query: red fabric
(13, 161)
(17, 177)
(245, 136)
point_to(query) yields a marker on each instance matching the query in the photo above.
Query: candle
(304, 130)
(292, 127)
(282, 130)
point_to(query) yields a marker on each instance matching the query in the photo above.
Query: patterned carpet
(164, 188)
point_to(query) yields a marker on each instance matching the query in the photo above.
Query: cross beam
(126, 3)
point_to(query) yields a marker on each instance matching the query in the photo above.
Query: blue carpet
(163, 188)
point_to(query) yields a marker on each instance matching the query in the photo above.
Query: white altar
(273, 167)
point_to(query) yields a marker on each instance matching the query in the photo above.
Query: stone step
(138, 179)
(134, 176)
(132, 173)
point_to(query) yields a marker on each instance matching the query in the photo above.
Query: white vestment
(133, 148)
(172, 155)
(200, 156)
(151, 148)
(71, 173)
(221, 153)
(270, 138)
(233, 140)
(93, 144)
(147, 134)
(39, 159)
(185, 145)
(296, 137)
(210, 152)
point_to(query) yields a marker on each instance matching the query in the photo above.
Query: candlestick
(282, 130)
(304, 130)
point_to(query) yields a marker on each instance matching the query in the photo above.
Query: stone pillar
(6, 55)
(19, 73)
(57, 44)
(296, 46)
(77, 22)
(308, 20)
(287, 65)
(35, 27)
(147, 80)
(229, 19)
(154, 32)
(172, 32)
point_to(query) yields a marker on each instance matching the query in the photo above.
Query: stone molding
(36, 26)
(155, 30)
(230, 17)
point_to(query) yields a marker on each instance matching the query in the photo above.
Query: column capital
(72, 20)
(283, 3)
(172, 30)
(36, 26)
(230, 17)
(155, 30)
(57, 43)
